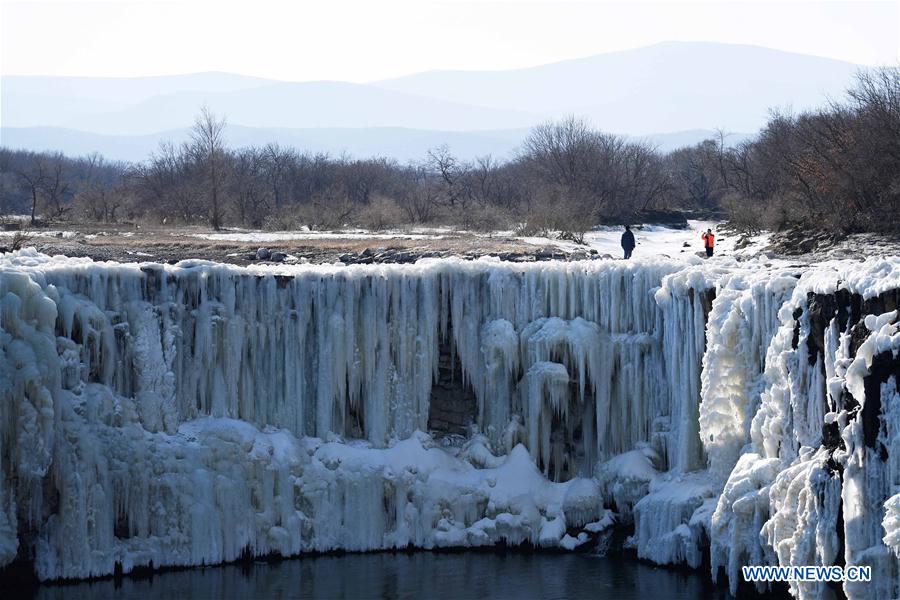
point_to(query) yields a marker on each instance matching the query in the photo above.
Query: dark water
(464, 575)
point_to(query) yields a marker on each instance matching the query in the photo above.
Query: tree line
(836, 168)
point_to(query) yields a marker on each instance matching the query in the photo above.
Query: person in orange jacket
(709, 241)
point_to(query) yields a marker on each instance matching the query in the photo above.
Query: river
(457, 575)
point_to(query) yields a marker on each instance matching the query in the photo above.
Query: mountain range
(672, 93)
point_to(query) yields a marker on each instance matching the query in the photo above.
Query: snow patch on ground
(659, 240)
(343, 234)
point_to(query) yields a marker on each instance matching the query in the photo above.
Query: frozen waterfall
(192, 414)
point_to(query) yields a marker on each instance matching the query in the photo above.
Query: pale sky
(365, 40)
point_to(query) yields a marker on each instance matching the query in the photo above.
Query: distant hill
(669, 87)
(125, 90)
(398, 143)
(313, 104)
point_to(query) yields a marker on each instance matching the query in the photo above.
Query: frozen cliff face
(182, 415)
(815, 483)
(169, 415)
(353, 352)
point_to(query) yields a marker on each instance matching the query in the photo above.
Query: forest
(836, 168)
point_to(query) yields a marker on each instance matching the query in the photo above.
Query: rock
(806, 245)
(670, 218)
(346, 258)
(263, 254)
(367, 252)
(514, 256)
(742, 242)
(278, 257)
(686, 245)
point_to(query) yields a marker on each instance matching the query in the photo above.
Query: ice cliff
(191, 414)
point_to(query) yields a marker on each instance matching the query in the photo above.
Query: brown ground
(128, 243)
(131, 244)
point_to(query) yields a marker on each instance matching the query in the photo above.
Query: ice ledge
(220, 487)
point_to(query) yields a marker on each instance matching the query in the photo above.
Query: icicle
(171, 410)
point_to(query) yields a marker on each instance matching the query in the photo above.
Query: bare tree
(208, 149)
(33, 176)
(836, 168)
(251, 195)
(57, 186)
(277, 162)
(7, 181)
(168, 184)
(562, 152)
(419, 194)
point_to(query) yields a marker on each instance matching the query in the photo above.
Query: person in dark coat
(628, 242)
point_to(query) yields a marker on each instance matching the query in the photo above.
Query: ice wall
(815, 479)
(180, 415)
(109, 369)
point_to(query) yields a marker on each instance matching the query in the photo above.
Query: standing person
(709, 241)
(627, 242)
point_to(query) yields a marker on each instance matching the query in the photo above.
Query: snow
(625, 478)
(186, 414)
(659, 240)
(344, 234)
(666, 530)
(56, 233)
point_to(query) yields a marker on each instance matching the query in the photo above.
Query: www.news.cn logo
(795, 574)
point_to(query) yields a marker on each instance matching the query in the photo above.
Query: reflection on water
(477, 575)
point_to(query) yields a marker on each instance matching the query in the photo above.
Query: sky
(368, 40)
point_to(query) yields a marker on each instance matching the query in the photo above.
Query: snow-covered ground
(182, 415)
(53, 233)
(652, 240)
(306, 234)
(658, 240)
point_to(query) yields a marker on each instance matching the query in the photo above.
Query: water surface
(456, 575)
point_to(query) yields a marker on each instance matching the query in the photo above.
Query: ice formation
(191, 414)
(814, 483)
